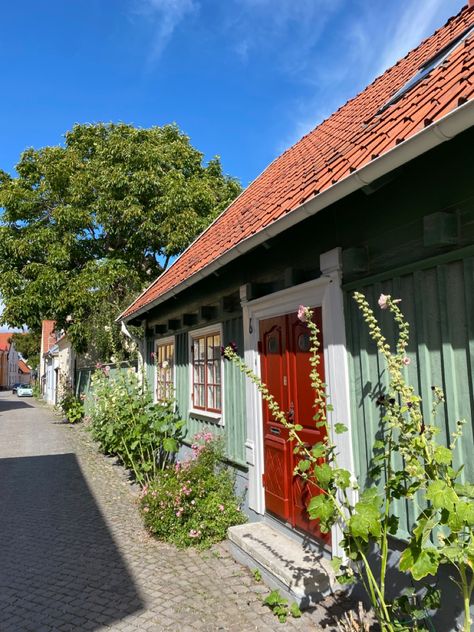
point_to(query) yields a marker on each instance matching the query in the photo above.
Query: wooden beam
(355, 260)
(189, 319)
(174, 323)
(230, 303)
(207, 312)
(440, 229)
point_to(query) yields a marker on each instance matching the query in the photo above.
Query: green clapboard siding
(234, 395)
(234, 431)
(150, 365)
(439, 305)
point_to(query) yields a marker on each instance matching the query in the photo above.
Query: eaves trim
(457, 121)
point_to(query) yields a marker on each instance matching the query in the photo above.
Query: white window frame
(198, 413)
(158, 342)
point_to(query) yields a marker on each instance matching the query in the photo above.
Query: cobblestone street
(74, 554)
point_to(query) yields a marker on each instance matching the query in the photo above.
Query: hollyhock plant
(442, 533)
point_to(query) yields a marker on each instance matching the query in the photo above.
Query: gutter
(428, 138)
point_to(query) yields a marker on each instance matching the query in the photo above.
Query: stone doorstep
(300, 574)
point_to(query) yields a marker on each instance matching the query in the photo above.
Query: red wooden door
(285, 354)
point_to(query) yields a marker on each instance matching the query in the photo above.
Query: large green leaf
(441, 495)
(420, 562)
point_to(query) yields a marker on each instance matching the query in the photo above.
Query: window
(206, 371)
(427, 67)
(164, 369)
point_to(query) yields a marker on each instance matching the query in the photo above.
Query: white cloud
(365, 51)
(416, 21)
(286, 30)
(165, 15)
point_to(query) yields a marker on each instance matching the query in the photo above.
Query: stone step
(299, 573)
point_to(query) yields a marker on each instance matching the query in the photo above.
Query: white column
(337, 367)
(254, 440)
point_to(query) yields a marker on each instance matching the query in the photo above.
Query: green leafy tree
(98, 218)
(29, 345)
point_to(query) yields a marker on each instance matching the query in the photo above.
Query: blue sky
(243, 78)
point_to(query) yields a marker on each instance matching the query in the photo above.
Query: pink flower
(302, 313)
(221, 507)
(383, 301)
(146, 509)
(194, 533)
(406, 361)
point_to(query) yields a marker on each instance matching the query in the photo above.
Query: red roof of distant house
(349, 139)
(48, 339)
(5, 340)
(23, 367)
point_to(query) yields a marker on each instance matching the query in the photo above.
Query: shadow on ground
(59, 565)
(7, 404)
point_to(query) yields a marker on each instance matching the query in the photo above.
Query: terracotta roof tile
(349, 139)
(5, 340)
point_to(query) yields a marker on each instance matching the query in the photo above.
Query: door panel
(285, 355)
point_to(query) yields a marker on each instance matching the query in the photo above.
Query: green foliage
(72, 408)
(279, 606)
(29, 345)
(257, 575)
(95, 220)
(193, 504)
(443, 531)
(127, 423)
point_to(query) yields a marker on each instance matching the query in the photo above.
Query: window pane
(164, 362)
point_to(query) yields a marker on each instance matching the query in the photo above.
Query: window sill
(205, 415)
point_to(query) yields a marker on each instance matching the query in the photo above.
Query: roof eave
(457, 121)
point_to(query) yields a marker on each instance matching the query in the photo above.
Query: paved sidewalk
(75, 556)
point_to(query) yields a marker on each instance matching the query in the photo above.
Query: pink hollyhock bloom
(194, 534)
(406, 361)
(302, 313)
(383, 301)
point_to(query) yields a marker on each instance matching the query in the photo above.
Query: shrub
(194, 503)
(72, 408)
(127, 423)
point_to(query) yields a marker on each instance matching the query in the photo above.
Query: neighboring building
(379, 198)
(48, 373)
(66, 366)
(24, 372)
(57, 363)
(9, 357)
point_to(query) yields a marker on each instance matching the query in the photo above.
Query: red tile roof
(349, 139)
(4, 340)
(23, 367)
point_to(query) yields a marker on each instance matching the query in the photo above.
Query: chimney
(470, 4)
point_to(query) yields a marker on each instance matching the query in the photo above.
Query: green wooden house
(378, 198)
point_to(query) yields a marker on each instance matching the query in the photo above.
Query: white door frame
(325, 292)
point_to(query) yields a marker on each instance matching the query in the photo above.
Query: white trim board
(327, 293)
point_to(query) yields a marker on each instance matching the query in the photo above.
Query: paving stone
(74, 554)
